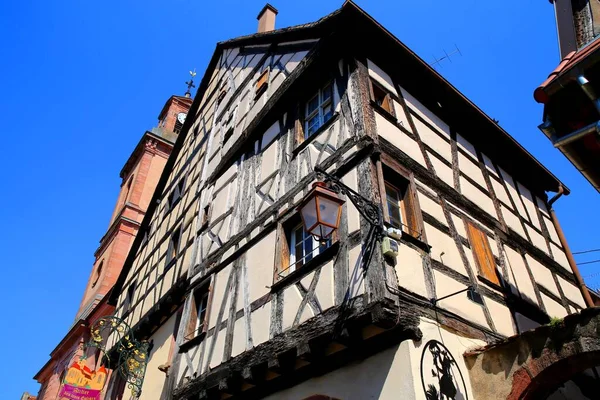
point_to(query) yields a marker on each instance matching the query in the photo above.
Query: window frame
(387, 105)
(318, 111)
(390, 172)
(173, 248)
(196, 329)
(129, 295)
(482, 254)
(286, 263)
(176, 194)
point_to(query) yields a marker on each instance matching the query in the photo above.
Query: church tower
(139, 177)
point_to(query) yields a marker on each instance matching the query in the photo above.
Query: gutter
(563, 241)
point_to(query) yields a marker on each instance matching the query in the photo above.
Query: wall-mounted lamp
(472, 295)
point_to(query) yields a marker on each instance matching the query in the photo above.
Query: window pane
(312, 125)
(327, 112)
(308, 248)
(327, 93)
(395, 215)
(312, 105)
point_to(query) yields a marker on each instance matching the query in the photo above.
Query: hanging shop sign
(81, 383)
(441, 377)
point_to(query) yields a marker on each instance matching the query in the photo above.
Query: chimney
(266, 18)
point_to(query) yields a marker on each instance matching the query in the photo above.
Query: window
(228, 135)
(261, 83)
(381, 97)
(298, 248)
(97, 273)
(176, 194)
(394, 205)
(484, 258)
(205, 216)
(129, 297)
(401, 210)
(319, 110)
(178, 126)
(173, 250)
(198, 322)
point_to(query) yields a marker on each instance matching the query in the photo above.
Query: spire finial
(190, 84)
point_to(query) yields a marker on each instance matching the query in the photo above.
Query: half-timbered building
(237, 300)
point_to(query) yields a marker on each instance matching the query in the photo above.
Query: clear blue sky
(82, 80)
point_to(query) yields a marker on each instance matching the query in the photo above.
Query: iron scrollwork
(133, 354)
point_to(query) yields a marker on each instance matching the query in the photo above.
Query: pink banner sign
(68, 392)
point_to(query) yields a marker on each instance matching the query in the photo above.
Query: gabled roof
(364, 36)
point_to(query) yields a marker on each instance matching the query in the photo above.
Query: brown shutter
(282, 254)
(482, 253)
(191, 326)
(410, 211)
(261, 82)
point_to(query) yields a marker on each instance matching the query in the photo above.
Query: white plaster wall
(527, 198)
(571, 292)
(219, 295)
(356, 281)
(399, 139)
(502, 317)
(458, 304)
(442, 243)
(409, 270)
(560, 257)
(154, 380)
(553, 308)
(325, 286)
(260, 259)
(542, 275)
(433, 140)
(478, 197)
(260, 324)
(291, 304)
(471, 169)
(401, 116)
(219, 347)
(520, 276)
(466, 145)
(390, 374)
(537, 239)
(432, 207)
(425, 113)
(442, 170)
(381, 77)
(512, 221)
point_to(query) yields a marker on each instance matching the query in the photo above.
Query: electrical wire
(586, 251)
(589, 262)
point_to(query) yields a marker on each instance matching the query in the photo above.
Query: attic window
(262, 83)
(381, 97)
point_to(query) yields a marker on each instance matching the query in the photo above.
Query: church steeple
(139, 177)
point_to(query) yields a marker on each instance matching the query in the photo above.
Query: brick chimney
(266, 18)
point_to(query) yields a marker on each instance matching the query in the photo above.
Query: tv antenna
(446, 56)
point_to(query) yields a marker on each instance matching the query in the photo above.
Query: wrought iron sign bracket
(132, 354)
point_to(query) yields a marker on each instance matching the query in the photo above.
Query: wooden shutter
(261, 82)
(482, 253)
(410, 211)
(191, 325)
(282, 255)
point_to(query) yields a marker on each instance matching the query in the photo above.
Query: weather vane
(190, 84)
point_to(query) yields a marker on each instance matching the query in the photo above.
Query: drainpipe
(563, 242)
